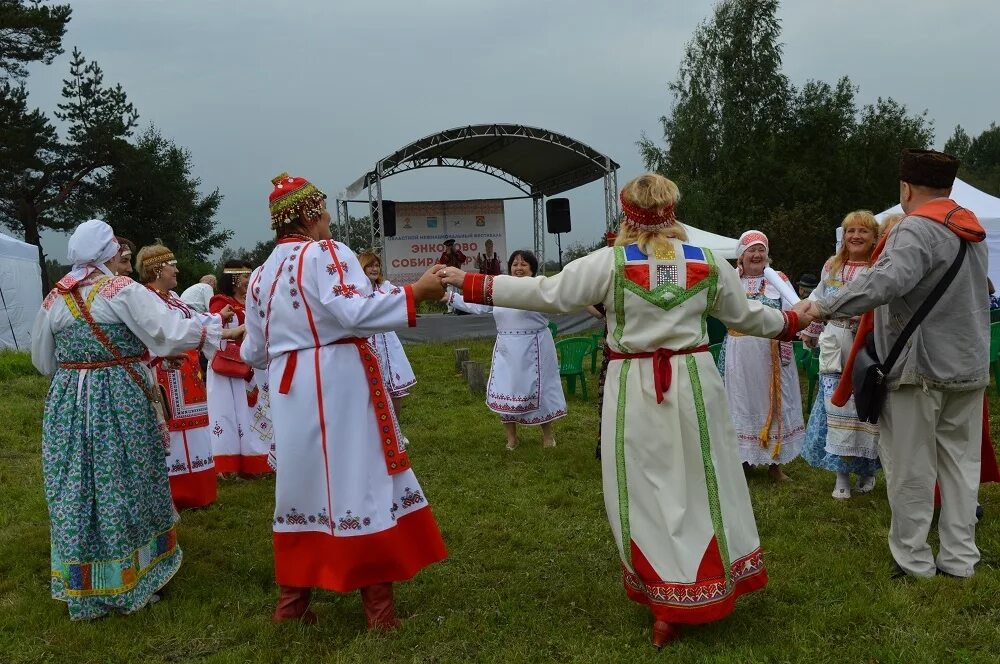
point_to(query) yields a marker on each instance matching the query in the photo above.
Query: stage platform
(449, 327)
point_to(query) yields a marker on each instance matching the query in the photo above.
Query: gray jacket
(950, 349)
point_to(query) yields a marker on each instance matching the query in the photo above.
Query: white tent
(986, 207)
(721, 246)
(20, 292)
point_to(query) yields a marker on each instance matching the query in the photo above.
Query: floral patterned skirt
(112, 523)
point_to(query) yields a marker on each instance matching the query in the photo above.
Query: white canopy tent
(986, 207)
(721, 246)
(20, 292)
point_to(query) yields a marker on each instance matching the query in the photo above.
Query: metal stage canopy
(539, 162)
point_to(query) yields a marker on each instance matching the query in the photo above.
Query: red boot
(293, 604)
(380, 609)
(664, 633)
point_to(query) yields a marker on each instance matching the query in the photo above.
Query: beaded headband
(236, 270)
(645, 219)
(162, 258)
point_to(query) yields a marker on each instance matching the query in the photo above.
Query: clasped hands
(807, 312)
(431, 284)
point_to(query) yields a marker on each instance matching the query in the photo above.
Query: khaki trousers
(929, 436)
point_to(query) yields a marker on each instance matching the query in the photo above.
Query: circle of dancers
(292, 367)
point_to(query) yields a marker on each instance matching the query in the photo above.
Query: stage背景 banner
(422, 228)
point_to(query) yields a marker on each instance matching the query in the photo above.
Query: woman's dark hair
(227, 282)
(124, 242)
(527, 257)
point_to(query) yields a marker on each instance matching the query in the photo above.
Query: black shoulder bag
(869, 375)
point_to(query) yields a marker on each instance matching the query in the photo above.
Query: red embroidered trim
(791, 329)
(648, 219)
(488, 288)
(204, 334)
(411, 306)
(114, 286)
(472, 288)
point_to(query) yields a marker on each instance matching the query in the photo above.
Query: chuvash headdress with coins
(646, 219)
(290, 197)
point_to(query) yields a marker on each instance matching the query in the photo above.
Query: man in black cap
(931, 423)
(807, 284)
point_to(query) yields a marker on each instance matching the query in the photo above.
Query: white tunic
(674, 489)
(349, 512)
(396, 369)
(762, 384)
(524, 385)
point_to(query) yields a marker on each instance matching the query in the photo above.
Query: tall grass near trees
(532, 573)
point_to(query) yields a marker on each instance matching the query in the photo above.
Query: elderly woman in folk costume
(349, 512)
(113, 543)
(396, 369)
(761, 377)
(190, 465)
(674, 490)
(524, 385)
(835, 439)
(238, 397)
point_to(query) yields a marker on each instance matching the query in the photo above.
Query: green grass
(532, 573)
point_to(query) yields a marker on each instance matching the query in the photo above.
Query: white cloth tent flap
(986, 207)
(20, 292)
(721, 246)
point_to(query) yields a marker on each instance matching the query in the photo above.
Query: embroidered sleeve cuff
(791, 326)
(814, 330)
(478, 289)
(411, 306)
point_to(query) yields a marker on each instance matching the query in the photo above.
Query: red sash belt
(100, 364)
(396, 458)
(662, 373)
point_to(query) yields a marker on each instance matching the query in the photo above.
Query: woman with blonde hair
(190, 464)
(674, 490)
(396, 369)
(835, 439)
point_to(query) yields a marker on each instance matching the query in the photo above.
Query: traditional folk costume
(675, 493)
(190, 464)
(762, 381)
(835, 439)
(392, 360)
(349, 512)
(931, 423)
(112, 523)
(524, 385)
(238, 409)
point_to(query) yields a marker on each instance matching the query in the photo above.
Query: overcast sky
(324, 88)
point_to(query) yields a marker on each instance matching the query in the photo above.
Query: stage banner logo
(422, 228)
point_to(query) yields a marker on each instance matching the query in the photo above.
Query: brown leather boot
(293, 604)
(380, 609)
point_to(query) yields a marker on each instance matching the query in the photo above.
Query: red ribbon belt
(662, 373)
(101, 364)
(396, 458)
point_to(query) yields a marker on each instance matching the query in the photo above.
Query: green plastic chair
(553, 328)
(715, 350)
(597, 350)
(995, 353)
(571, 353)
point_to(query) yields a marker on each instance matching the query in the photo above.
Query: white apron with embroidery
(396, 369)
(524, 385)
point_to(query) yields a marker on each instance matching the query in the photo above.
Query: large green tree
(150, 194)
(750, 150)
(980, 157)
(29, 32)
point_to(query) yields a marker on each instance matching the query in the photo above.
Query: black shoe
(896, 572)
(979, 513)
(941, 572)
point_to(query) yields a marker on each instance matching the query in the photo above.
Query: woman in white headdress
(113, 542)
(762, 381)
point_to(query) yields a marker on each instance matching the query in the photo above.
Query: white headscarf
(91, 245)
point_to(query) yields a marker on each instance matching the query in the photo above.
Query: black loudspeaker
(557, 215)
(388, 216)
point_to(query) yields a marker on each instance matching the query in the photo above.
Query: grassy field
(532, 574)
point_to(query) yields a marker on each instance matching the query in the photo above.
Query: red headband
(647, 220)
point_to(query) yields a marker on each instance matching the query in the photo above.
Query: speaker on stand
(388, 217)
(558, 221)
